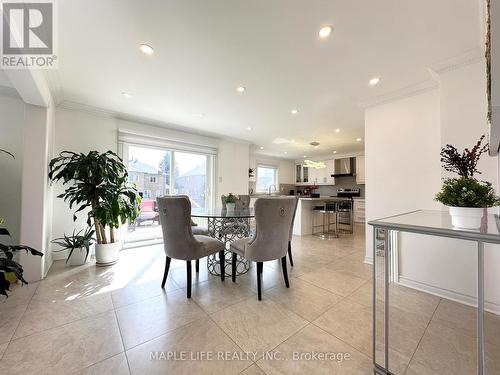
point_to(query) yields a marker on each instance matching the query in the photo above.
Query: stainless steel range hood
(344, 167)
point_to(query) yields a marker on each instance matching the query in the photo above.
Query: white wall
(11, 130)
(403, 140)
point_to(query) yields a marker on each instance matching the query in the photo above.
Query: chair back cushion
(175, 220)
(273, 218)
(243, 202)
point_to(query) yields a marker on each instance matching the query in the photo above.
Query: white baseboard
(368, 260)
(448, 294)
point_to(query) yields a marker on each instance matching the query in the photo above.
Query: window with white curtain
(267, 175)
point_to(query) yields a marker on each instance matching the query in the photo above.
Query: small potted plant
(82, 242)
(466, 197)
(230, 201)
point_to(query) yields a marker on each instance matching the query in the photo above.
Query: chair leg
(285, 272)
(197, 265)
(165, 274)
(233, 267)
(188, 281)
(290, 252)
(222, 260)
(259, 280)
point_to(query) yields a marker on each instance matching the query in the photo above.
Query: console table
(432, 223)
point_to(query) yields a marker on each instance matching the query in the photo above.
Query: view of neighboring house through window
(150, 169)
(267, 176)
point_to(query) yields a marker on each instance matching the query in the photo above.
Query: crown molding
(402, 93)
(469, 57)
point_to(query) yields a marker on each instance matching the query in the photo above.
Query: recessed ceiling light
(201, 115)
(126, 94)
(261, 147)
(337, 130)
(240, 89)
(286, 152)
(374, 81)
(358, 139)
(294, 111)
(314, 143)
(146, 49)
(334, 152)
(249, 128)
(305, 156)
(325, 31)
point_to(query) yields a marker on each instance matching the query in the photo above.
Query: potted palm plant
(97, 182)
(466, 197)
(82, 242)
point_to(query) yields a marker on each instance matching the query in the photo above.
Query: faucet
(269, 190)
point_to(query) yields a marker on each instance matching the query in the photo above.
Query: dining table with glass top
(227, 226)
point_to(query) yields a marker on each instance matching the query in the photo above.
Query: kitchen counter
(323, 199)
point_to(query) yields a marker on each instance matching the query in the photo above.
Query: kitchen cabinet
(360, 170)
(322, 176)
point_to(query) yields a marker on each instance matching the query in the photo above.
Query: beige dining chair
(273, 219)
(178, 239)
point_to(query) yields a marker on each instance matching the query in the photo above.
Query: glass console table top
(219, 212)
(439, 223)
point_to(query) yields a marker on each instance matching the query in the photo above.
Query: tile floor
(117, 320)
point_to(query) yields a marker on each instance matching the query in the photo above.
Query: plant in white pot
(98, 182)
(78, 245)
(466, 197)
(230, 201)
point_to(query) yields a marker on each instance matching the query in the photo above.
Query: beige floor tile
(179, 274)
(139, 291)
(9, 320)
(215, 295)
(363, 295)
(303, 298)
(253, 370)
(337, 282)
(350, 322)
(257, 326)
(155, 316)
(191, 340)
(345, 359)
(3, 347)
(416, 368)
(447, 352)
(43, 313)
(18, 295)
(464, 318)
(64, 349)
(270, 278)
(116, 365)
(352, 264)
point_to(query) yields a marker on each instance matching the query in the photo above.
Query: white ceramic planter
(466, 217)
(107, 254)
(230, 206)
(77, 257)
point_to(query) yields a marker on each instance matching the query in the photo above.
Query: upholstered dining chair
(291, 232)
(273, 219)
(198, 231)
(178, 239)
(243, 202)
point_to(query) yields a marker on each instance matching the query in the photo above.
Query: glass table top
(439, 223)
(219, 212)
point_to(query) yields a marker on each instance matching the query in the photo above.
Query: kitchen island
(303, 223)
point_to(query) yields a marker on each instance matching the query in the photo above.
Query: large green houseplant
(465, 196)
(97, 182)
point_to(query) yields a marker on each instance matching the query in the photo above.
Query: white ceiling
(205, 49)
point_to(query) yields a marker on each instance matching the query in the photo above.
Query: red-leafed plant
(465, 163)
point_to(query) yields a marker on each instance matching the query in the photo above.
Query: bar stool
(326, 211)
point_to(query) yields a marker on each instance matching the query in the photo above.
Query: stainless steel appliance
(348, 192)
(344, 167)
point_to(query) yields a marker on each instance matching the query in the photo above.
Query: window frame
(275, 168)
